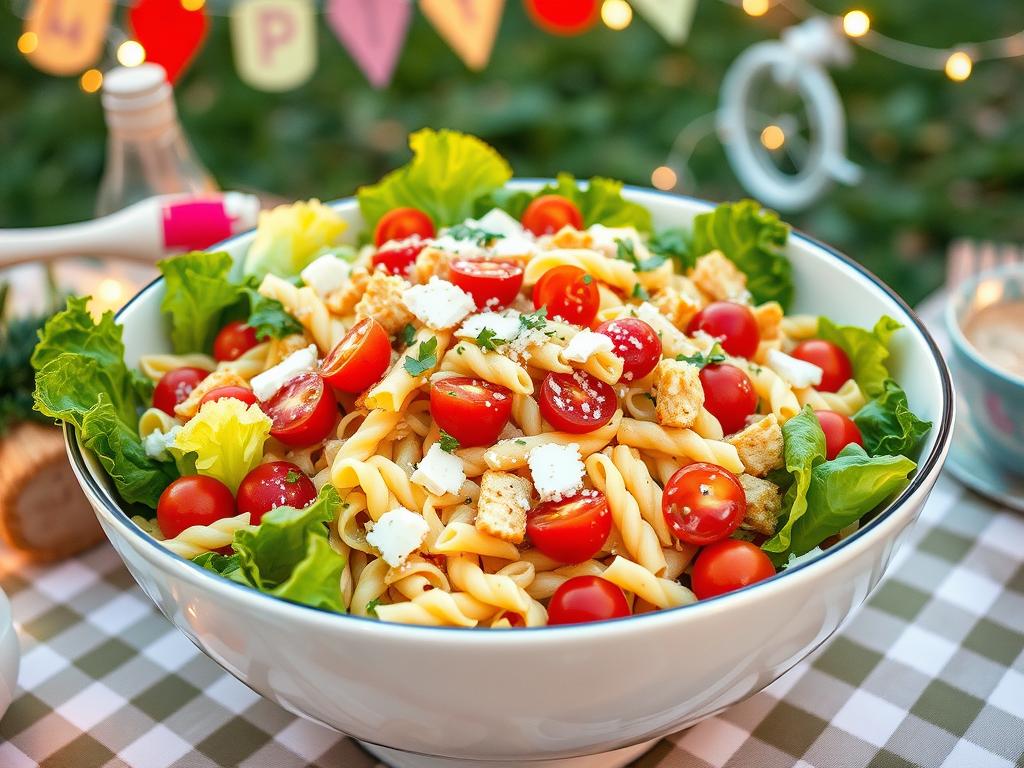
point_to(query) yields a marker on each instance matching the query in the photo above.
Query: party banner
(372, 31)
(274, 42)
(170, 31)
(468, 26)
(64, 37)
(672, 18)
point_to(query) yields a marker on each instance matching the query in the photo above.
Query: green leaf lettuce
(198, 291)
(887, 424)
(867, 350)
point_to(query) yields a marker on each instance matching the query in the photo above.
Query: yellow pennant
(671, 18)
(274, 42)
(468, 26)
(65, 37)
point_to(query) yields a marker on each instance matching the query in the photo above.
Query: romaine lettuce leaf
(198, 292)
(887, 424)
(753, 239)
(449, 172)
(867, 350)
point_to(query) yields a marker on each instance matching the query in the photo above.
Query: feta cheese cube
(585, 344)
(157, 443)
(499, 222)
(326, 274)
(266, 384)
(799, 373)
(438, 304)
(505, 325)
(397, 534)
(440, 472)
(557, 470)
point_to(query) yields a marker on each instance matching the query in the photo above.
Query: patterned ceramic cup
(995, 396)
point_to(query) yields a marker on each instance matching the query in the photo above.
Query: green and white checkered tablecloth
(929, 673)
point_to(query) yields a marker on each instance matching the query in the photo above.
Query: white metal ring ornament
(797, 63)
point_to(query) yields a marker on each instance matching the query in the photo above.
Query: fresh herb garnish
(371, 607)
(534, 320)
(639, 292)
(408, 334)
(18, 337)
(520, 441)
(448, 443)
(487, 340)
(716, 355)
(426, 358)
(650, 397)
(625, 250)
(292, 476)
(474, 234)
(587, 279)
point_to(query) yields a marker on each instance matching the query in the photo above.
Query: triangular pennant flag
(671, 18)
(468, 26)
(170, 31)
(274, 42)
(372, 31)
(64, 37)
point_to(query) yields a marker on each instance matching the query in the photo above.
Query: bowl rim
(926, 468)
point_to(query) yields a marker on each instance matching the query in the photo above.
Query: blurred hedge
(942, 160)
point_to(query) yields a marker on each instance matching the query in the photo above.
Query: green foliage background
(942, 160)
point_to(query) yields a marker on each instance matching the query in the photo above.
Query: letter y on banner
(274, 42)
(69, 34)
(372, 31)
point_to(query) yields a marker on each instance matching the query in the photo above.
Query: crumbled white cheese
(438, 304)
(505, 325)
(326, 274)
(585, 344)
(449, 244)
(513, 246)
(648, 312)
(603, 239)
(557, 470)
(397, 534)
(510, 431)
(440, 472)
(799, 373)
(156, 443)
(499, 222)
(266, 384)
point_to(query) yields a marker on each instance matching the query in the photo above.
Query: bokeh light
(856, 23)
(130, 53)
(756, 7)
(664, 177)
(959, 66)
(616, 14)
(28, 42)
(773, 137)
(91, 80)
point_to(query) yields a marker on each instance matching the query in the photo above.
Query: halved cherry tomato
(571, 530)
(729, 565)
(839, 431)
(636, 343)
(734, 324)
(303, 411)
(586, 598)
(359, 359)
(400, 223)
(175, 386)
(835, 366)
(576, 402)
(193, 500)
(513, 618)
(398, 259)
(233, 340)
(547, 214)
(728, 395)
(568, 292)
(703, 503)
(244, 394)
(272, 485)
(473, 411)
(492, 284)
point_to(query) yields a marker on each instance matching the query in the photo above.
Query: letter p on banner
(274, 42)
(68, 34)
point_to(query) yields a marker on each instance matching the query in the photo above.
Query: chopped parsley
(448, 443)
(639, 292)
(292, 476)
(534, 320)
(520, 441)
(587, 279)
(487, 340)
(650, 397)
(408, 334)
(425, 359)
(474, 234)
(371, 607)
(716, 355)
(625, 250)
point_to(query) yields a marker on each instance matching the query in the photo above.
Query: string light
(856, 23)
(756, 7)
(664, 177)
(130, 53)
(192, 5)
(773, 137)
(28, 42)
(91, 80)
(616, 14)
(958, 66)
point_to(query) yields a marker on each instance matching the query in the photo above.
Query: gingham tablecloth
(930, 672)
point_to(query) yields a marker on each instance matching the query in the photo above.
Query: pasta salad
(502, 409)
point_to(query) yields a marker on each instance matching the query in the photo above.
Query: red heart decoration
(170, 34)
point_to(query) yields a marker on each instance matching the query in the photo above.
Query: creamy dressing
(997, 331)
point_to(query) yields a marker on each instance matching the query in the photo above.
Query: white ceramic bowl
(551, 692)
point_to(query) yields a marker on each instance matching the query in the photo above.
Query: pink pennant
(372, 31)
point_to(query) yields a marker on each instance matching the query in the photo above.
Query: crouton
(224, 377)
(383, 302)
(678, 393)
(759, 446)
(677, 306)
(431, 262)
(719, 278)
(344, 300)
(504, 502)
(769, 317)
(764, 504)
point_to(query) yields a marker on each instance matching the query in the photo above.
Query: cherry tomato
(398, 260)
(400, 223)
(586, 598)
(636, 343)
(473, 411)
(571, 530)
(729, 565)
(728, 395)
(359, 359)
(549, 213)
(492, 284)
(193, 500)
(839, 431)
(244, 394)
(835, 366)
(703, 503)
(568, 292)
(576, 402)
(175, 386)
(732, 323)
(272, 485)
(303, 411)
(513, 618)
(233, 340)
